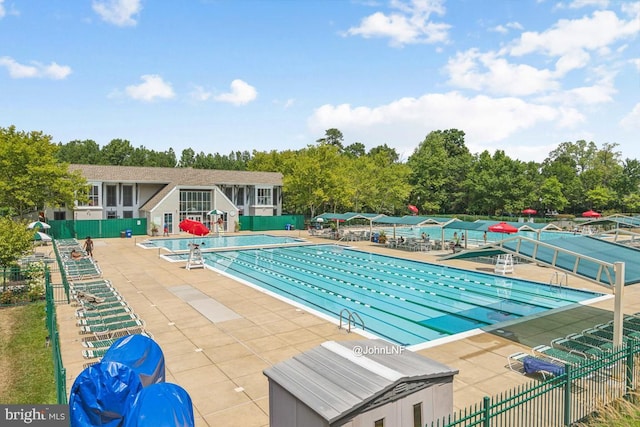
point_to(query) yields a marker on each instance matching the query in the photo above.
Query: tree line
(441, 176)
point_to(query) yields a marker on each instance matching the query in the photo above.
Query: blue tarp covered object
(161, 405)
(140, 353)
(102, 394)
(534, 365)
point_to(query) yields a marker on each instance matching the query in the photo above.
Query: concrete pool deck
(218, 335)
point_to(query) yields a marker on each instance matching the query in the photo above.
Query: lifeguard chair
(504, 264)
(195, 257)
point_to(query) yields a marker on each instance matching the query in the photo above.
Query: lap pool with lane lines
(404, 301)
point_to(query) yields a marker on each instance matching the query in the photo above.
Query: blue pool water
(217, 242)
(407, 302)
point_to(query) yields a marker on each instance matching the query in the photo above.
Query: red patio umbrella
(193, 227)
(591, 214)
(502, 227)
(413, 208)
(529, 211)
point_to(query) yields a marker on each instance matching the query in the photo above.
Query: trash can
(123, 234)
(129, 233)
(376, 237)
(287, 226)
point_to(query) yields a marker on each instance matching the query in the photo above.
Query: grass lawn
(26, 364)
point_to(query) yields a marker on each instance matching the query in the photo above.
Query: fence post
(486, 406)
(567, 396)
(630, 350)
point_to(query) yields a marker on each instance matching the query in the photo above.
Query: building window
(60, 216)
(94, 196)
(417, 415)
(195, 204)
(240, 196)
(263, 196)
(379, 423)
(112, 193)
(127, 214)
(127, 195)
(112, 214)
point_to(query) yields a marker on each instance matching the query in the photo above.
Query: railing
(59, 371)
(559, 401)
(559, 279)
(351, 319)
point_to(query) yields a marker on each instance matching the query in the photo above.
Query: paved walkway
(218, 335)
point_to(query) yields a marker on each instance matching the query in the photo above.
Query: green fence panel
(265, 223)
(97, 228)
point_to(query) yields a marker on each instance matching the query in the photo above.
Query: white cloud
(636, 62)
(487, 119)
(578, 4)
(241, 93)
(488, 72)
(118, 12)
(2, 10)
(410, 25)
(569, 36)
(632, 120)
(505, 28)
(35, 70)
(152, 88)
(200, 94)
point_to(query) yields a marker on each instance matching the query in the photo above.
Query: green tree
(552, 195)
(118, 152)
(15, 241)
(332, 137)
(187, 158)
(85, 152)
(32, 176)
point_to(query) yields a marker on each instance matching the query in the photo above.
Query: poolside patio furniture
(559, 355)
(98, 321)
(88, 314)
(572, 345)
(526, 364)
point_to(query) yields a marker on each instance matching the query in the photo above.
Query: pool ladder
(559, 279)
(350, 318)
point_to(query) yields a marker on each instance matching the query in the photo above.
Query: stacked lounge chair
(103, 315)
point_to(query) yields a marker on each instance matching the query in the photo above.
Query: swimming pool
(404, 301)
(218, 242)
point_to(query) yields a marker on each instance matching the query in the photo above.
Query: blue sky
(225, 75)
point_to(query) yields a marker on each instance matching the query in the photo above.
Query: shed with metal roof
(353, 383)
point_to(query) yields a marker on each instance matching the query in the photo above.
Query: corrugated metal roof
(338, 379)
(407, 220)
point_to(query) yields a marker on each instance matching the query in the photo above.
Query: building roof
(177, 176)
(174, 177)
(339, 380)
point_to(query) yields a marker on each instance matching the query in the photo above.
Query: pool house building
(166, 196)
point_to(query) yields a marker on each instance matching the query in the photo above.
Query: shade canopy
(193, 227)
(591, 214)
(413, 208)
(215, 212)
(502, 227)
(319, 219)
(42, 237)
(38, 224)
(529, 211)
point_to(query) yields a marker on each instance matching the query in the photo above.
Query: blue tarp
(533, 365)
(140, 353)
(161, 405)
(102, 394)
